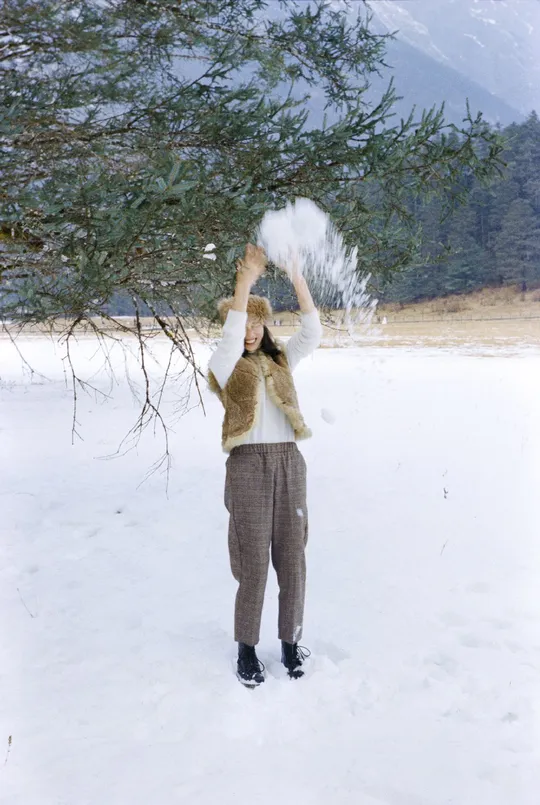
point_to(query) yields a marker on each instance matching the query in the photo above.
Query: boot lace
(300, 653)
(251, 662)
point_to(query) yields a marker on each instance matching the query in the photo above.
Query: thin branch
(24, 605)
(150, 413)
(7, 329)
(8, 749)
(76, 381)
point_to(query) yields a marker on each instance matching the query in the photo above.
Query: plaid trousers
(265, 495)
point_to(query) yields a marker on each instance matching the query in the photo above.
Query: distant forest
(492, 240)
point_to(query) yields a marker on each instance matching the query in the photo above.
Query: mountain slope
(424, 82)
(491, 42)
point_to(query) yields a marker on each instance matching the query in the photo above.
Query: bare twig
(76, 381)
(74, 387)
(149, 413)
(152, 398)
(8, 749)
(165, 378)
(24, 604)
(7, 329)
(183, 344)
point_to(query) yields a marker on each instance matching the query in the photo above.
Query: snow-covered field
(423, 607)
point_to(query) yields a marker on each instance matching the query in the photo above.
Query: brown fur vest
(240, 396)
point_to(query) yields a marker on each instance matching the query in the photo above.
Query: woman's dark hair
(268, 345)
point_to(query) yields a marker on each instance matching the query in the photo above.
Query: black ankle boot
(292, 657)
(249, 668)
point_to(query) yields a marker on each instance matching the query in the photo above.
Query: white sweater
(271, 425)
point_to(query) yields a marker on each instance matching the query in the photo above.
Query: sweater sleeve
(231, 347)
(306, 340)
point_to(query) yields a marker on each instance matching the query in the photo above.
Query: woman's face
(254, 334)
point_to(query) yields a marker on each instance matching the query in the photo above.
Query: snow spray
(301, 238)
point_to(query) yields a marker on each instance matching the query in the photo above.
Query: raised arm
(305, 301)
(231, 347)
(308, 338)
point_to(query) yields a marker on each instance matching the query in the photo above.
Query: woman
(265, 489)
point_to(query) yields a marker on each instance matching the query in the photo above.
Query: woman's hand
(253, 264)
(248, 271)
(292, 268)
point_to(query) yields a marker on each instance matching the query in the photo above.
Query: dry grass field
(490, 316)
(489, 303)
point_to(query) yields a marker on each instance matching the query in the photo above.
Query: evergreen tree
(134, 132)
(517, 245)
(490, 240)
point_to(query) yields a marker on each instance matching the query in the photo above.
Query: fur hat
(258, 307)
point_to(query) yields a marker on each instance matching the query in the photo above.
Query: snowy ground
(423, 608)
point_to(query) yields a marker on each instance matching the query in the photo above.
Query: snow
(209, 248)
(302, 239)
(328, 416)
(479, 12)
(116, 598)
(475, 39)
(293, 233)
